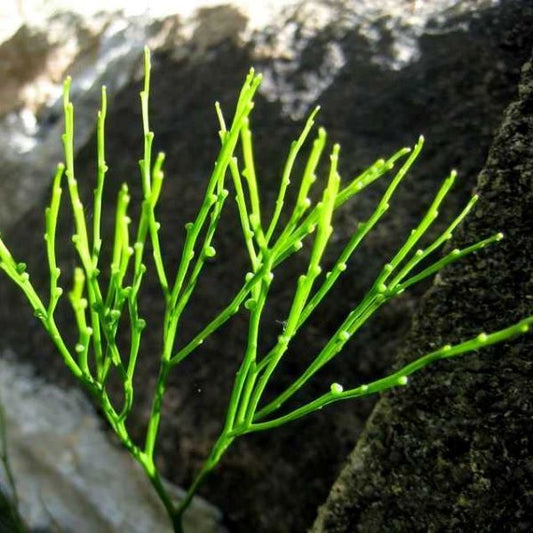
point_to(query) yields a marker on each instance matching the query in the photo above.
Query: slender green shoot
(99, 308)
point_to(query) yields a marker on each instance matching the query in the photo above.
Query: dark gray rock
(454, 450)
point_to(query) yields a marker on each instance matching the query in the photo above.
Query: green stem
(155, 414)
(220, 447)
(157, 483)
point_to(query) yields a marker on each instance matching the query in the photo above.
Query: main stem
(146, 458)
(211, 462)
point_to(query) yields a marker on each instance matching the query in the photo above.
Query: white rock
(68, 474)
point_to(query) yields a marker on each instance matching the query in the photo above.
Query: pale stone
(68, 473)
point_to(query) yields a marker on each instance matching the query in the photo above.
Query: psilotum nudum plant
(99, 308)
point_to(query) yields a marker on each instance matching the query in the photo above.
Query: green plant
(98, 310)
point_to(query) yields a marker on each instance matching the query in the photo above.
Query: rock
(97, 44)
(453, 450)
(68, 474)
(102, 43)
(101, 50)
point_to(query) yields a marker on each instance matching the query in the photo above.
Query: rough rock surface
(381, 78)
(454, 451)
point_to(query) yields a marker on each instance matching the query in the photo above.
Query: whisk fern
(100, 308)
